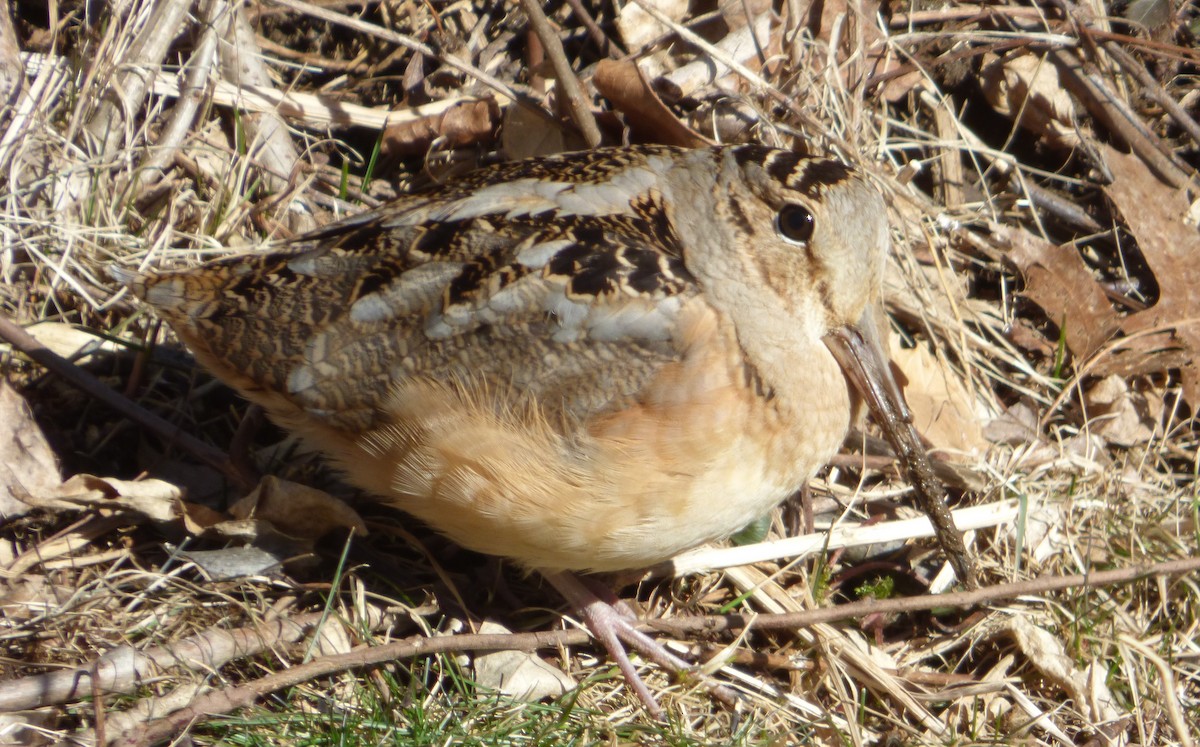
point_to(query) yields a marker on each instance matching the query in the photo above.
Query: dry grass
(1103, 481)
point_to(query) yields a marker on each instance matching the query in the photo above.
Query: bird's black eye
(795, 223)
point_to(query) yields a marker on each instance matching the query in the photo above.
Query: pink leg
(613, 628)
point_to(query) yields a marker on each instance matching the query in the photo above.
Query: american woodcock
(587, 362)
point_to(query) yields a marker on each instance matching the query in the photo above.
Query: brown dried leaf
(297, 510)
(1057, 280)
(624, 84)
(1025, 88)
(155, 500)
(1016, 426)
(462, 124)
(28, 468)
(520, 675)
(1155, 213)
(526, 135)
(1048, 654)
(940, 403)
(198, 517)
(1121, 416)
(638, 28)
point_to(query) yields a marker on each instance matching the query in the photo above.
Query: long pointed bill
(860, 354)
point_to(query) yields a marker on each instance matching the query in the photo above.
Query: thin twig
(130, 87)
(1151, 87)
(191, 93)
(88, 384)
(607, 46)
(229, 699)
(268, 140)
(576, 101)
(392, 37)
(1115, 114)
(749, 75)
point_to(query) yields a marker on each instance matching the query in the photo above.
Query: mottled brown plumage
(586, 362)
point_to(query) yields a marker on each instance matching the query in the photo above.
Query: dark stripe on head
(780, 165)
(819, 173)
(783, 166)
(755, 154)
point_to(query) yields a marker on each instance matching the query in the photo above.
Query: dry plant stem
(124, 668)
(129, 89)
(327, 64)
(85, 382)
(403, 41)
(959, 599)
(607, 46)
(311, 111)
(1154, 90)
(568, 83)
(12, 70)
(844, 535)
(266, 133)
(98, 710)
(1060, 207)
(1170, 700)
(191, 93)
(1170, 51)
(1042, 198)
(244, 695)
(1107, 107)
(962, 13)
(749, 75)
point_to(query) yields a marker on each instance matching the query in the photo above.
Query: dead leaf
(1049, 656)
(624, 84)
(1156, 214)
(155, 500)
(1042, 530)
(1025, 88)
(940, 403)
(233, 562)
(462, 124)
(27, 464)
(524, 134)
(1016, 426)
(197, 517)
(638, 28)
(519, 674)
(297, 510)
(1120, 416)
(741, 45)
(264, 538)
(1057, 280)
(70, 341)
(1165, 336)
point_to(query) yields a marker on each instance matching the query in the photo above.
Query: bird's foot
(613, 626)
